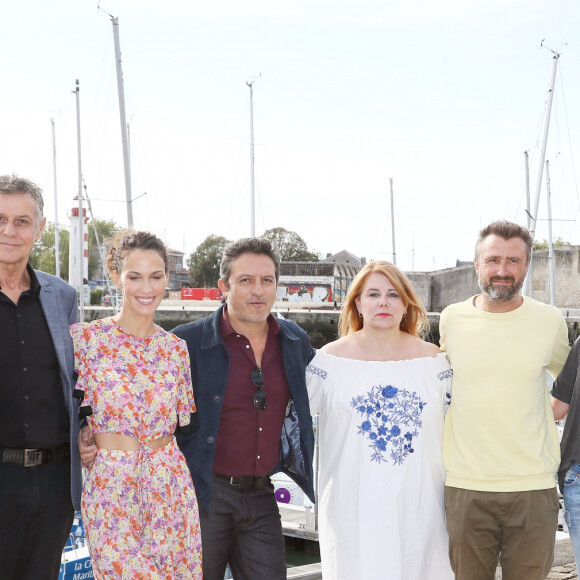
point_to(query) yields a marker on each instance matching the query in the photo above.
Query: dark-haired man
(500, 447)
(40, 476)
(248, 374)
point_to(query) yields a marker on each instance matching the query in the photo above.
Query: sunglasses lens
(257, 378)
(260, 400)
(259, 396)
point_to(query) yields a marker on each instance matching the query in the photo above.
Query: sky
(441, 97)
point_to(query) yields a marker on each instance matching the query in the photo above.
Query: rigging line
(402, 240)
(98, 241)
(257, 188)
(65, 117)
(98, 102)
(234, 203)
(260, 204)
(519, 186)
(569, 136)
(147, 180)
(101, 131)
(384, 209)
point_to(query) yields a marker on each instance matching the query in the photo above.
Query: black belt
(32, 457)
(246, 481)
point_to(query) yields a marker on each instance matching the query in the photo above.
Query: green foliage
(105, 229)
(291, 246)
(96, 296)
(42, 256)
(543, 245)
(204, 262)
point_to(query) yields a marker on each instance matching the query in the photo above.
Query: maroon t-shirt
(248, 441)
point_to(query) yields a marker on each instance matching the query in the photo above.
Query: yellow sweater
(499, 431)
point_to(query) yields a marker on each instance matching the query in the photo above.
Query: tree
(105, 229)
(42, 256)
(204, 262)
(543, 245)
(291, 246)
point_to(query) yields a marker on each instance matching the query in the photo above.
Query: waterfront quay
(564, 567)
(319, 320)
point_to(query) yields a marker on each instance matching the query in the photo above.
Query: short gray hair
(10, 184)
(259, 246)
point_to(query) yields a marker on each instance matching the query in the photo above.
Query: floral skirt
(140, 514)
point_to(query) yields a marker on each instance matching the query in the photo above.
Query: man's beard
(501, 293)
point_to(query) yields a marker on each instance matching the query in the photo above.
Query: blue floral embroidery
(316, 371)
(392, 417)
(446, 374)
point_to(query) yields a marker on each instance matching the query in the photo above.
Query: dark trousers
(244, 530)
(36, 516)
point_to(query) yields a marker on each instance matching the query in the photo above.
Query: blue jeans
(243, 529)
(572, 506)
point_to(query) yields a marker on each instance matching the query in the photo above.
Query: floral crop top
(139, 387)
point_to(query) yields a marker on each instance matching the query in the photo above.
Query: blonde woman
(381, 393)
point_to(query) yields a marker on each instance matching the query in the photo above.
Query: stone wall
(443, 287)
(422, 284)
(566, 276)
(452, 285)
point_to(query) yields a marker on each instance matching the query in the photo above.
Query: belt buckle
(32, 457)
(232, 482)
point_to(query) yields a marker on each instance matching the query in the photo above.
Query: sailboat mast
(252, 193)
(81, 238)
(393, 222)
(56, 231)
(550, 241)
(529, 280)
(544, 142)
(123, 117)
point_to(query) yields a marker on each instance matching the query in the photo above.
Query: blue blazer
(60, 306)
(209, 373)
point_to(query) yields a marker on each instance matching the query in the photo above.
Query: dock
(298, 521)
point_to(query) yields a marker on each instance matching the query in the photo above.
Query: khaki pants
(515, 528)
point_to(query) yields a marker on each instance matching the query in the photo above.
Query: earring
(360, 314)
(404, 314)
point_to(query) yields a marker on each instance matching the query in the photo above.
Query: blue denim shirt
(209, 373)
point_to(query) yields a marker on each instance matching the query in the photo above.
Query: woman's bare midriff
(126, 442)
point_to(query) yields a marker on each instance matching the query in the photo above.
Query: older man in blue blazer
(40, 476)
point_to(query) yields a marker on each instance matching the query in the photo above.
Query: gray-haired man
(40, 478)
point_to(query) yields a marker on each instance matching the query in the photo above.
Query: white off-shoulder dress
(381, 506)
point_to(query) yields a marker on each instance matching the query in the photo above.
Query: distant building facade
(178, 275)
(346, 267)
(305, 282)
(324, 281)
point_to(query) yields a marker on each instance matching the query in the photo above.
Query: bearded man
(500, 446)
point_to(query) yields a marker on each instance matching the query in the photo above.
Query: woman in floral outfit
(138, 505)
